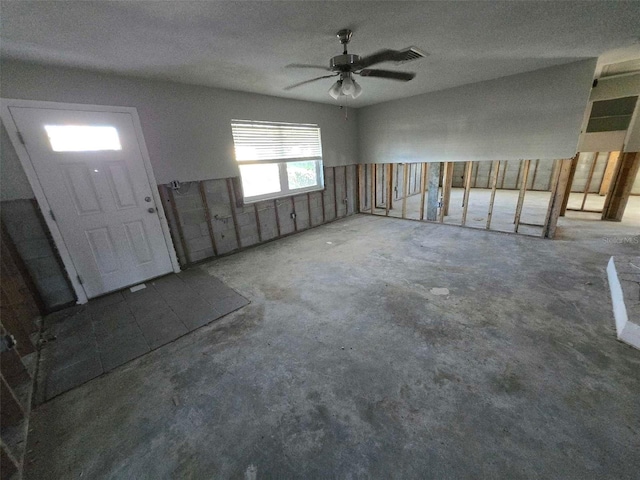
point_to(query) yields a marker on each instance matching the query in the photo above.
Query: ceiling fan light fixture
(336, 90)
(348, 86)
(357, 89)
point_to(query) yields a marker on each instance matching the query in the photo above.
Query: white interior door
(92, 172)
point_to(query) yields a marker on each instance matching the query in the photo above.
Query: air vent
(410, 54)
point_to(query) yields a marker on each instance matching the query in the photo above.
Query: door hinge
(21, 138)
(80, 280)
(53, 217)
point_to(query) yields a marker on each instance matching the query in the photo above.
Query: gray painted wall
(187, 128)
(531, 115)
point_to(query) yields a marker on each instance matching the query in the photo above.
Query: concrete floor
(349, 363)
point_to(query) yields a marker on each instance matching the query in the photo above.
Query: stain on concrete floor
(344, 366)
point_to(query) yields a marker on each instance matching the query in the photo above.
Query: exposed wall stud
(275, 206)
(616, 201)
(569, 183)
(335, 192)
(293, 212)
(494, 185)
(176, 216)
(524, 169)
(589, 179)
(233, 211)
(405, 189)
(372, 199)
(467, 191)
(255, 212)
(207, 213)
(389, 193)
(535, 173)
(560, 189)
(346, 192)
(610, 169)
(447, 181)
(309, 209)
(423, 189)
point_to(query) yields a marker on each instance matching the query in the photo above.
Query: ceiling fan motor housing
(344, 63)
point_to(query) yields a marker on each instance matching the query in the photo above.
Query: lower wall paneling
(206, 219)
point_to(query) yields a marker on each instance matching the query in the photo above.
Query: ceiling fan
(346, 65)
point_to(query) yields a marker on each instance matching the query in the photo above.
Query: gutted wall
(207, 218)
(186, 127)
(530, 115)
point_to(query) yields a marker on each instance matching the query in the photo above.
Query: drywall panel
(186, 127)
(532, 115)
(601, 141)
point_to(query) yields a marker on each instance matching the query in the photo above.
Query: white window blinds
(267, 142)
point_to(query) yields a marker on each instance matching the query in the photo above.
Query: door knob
(147, 199)
(151, 210)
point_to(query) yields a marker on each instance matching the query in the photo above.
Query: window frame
(284, 191)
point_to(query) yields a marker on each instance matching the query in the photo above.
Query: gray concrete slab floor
(351, 361)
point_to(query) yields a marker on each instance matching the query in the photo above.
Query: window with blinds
(277, 159)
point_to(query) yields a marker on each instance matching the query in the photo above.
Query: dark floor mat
(83, 342)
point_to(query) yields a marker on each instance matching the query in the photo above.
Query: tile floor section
(86, 341)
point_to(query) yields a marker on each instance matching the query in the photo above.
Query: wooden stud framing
(535, 173)
(176, 216)
(569, 183)
(207, 213)
(255, 212)
(610, 169)
(405, 189)
(518, 176)
(372, 200)
(275, 206)
(447, 182)
(335, 193)
(443, 178)
(475, 178)
(389, 189)
(293, 211)
(360, 189)
(589, 179)
(309, 208)
(618, 196)
(346, 192)
(494, 185)
(233, 212)
(467, 191)
(560, 189)
(524, 168)
(423, 188)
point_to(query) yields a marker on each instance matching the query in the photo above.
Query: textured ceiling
(243, 45)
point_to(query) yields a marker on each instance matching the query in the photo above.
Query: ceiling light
(336, 89)
(357, 90)
(347, 85)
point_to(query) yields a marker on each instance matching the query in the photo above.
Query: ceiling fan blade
(305, 65)
(309, 81)
(402, 76)
(385, 55)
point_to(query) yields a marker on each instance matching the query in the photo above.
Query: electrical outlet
(293, 215)
(175, 184)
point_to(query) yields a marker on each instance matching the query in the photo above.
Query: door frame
(38, 191)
